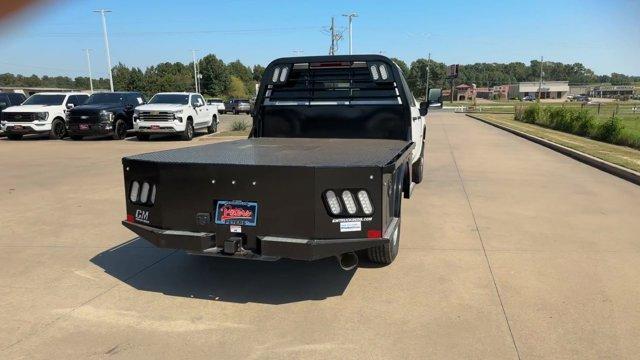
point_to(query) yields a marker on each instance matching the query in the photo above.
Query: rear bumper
(272, 247)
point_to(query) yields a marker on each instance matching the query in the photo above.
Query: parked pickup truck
(336, 143)
(175, 113)
(104, 114)
(41, 113)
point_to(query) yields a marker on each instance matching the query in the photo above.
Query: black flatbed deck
(285, 152)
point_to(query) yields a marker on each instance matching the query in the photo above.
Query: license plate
(84, 127)
(155, 127)
(236, 212)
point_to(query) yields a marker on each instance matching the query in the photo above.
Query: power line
(184, 32)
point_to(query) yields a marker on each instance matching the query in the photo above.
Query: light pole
(195, 70)
(350, 16)
(89, 65)
(106, 43)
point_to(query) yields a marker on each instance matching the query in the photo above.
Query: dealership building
(545, 90)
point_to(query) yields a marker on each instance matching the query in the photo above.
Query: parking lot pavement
(509, 250)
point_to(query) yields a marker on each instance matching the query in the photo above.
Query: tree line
(236, 80)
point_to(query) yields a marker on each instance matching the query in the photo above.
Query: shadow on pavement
(176, 273)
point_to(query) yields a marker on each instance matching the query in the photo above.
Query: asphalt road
(508, 250)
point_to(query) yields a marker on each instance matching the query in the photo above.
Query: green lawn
(619, 155)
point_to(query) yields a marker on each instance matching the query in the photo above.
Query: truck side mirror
(70, 106)
(424, 108)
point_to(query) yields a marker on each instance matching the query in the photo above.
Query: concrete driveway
(508, 250)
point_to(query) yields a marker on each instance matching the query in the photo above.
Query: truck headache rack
(332, 83)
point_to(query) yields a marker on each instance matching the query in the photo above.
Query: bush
(239, 125)
(608, 131)
(560, 118)
(532, 114)
(583, 122)
(519, 113)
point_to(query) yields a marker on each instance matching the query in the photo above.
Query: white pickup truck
(175, 113)
(42, 113)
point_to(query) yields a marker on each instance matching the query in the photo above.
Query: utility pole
(195, 70)
(89, 65)
(350, 16)
(106, 43)
(426, 95)
(332, 49)
(541, 74)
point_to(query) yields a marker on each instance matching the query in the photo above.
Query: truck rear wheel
(385, 254)
(214, 125)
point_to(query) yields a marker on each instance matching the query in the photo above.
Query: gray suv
(237, 106)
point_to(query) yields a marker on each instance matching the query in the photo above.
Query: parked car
(41, 113)
(9, 99)
(175, 113)
(237, 106)
(310, 182)
(529, 98)
(104, 114)
(218, 104)
(582, 98)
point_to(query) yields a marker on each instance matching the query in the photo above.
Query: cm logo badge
(142, 216)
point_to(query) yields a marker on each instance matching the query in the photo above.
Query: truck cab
(41, 113)
(337, 142)
(175, 113)
(360, 96)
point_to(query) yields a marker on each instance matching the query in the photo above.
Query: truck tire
(58, 130)
(119, 130)
(385, 254)
(213, 128)
(14, 136)
(142, 137)
(76, 137)
(187, 134)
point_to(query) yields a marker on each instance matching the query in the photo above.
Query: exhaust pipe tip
(348, 261)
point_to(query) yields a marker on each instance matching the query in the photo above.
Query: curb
(613, 169)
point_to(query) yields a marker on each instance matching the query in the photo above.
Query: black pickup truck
(336, 143)
(104, 114)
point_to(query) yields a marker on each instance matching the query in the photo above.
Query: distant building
(613, 91)
(580, 89)
(501, 92)
(547, 90)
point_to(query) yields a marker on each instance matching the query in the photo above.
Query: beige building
(545, 90)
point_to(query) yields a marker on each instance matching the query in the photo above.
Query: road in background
(508, 250)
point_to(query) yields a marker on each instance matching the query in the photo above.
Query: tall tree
(215, 76)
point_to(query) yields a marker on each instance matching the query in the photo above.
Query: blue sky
(603, 35)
